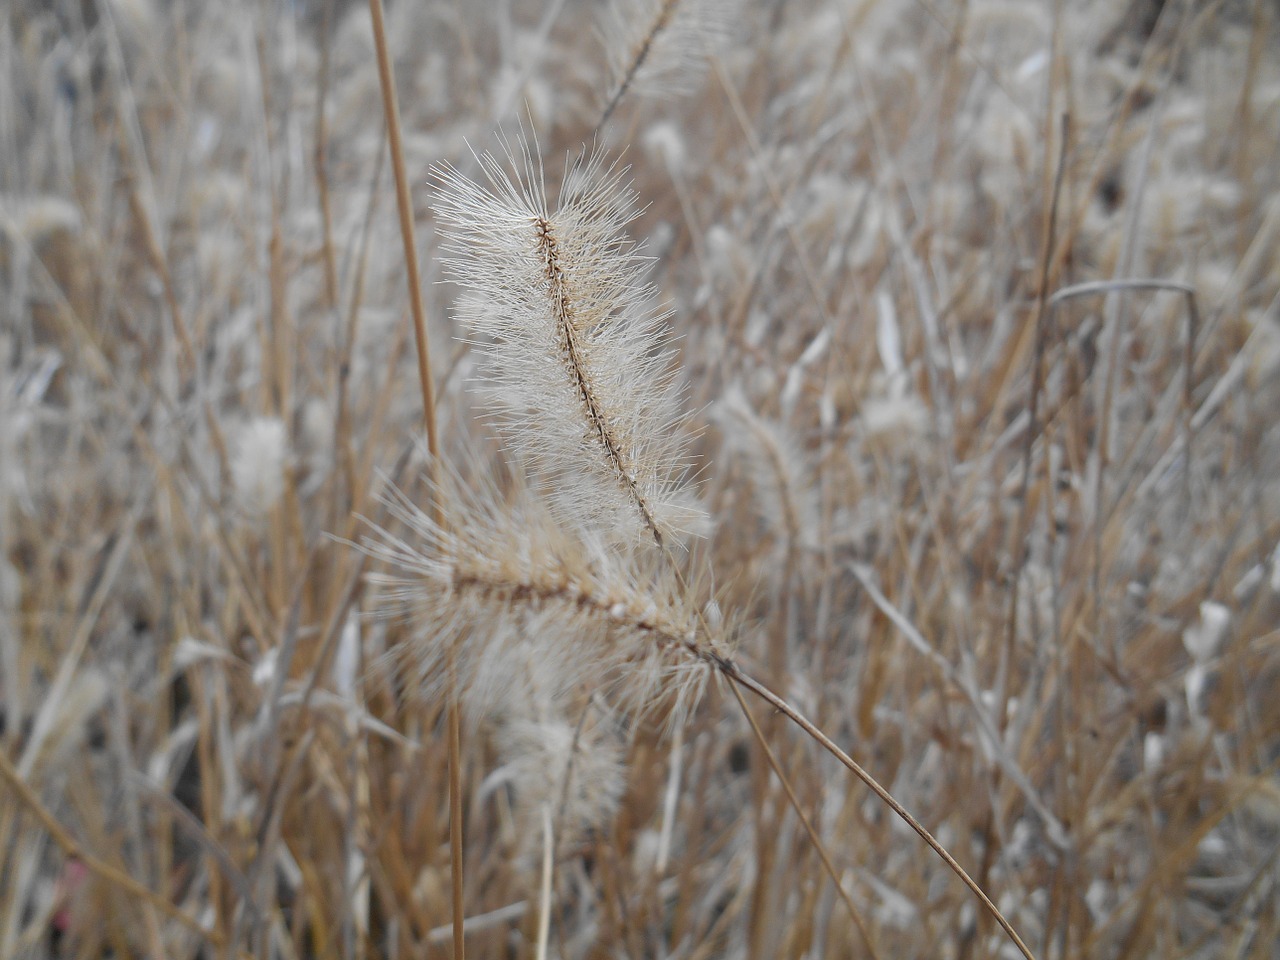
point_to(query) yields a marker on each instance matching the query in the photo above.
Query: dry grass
(1004, 524)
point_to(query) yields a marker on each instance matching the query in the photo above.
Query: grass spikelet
(503, 574)
(775, 466)
(258, 465)
(577, 359)
(657, 46)
(563, 758)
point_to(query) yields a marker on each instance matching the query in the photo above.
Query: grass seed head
(577, 356)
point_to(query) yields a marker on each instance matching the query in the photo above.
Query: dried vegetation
(960, 385)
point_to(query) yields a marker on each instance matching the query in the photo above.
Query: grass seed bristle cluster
(658, 47)
(577, 357)
(577, 292)
(502, 570)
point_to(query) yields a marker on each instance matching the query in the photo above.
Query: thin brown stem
(455, 811)
(405, 207)
(321, 162)
(808, 825)
(733, 673)
(1033, 405)
(404, 204)
(74, 850)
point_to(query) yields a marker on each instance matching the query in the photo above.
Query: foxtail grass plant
(659, 46)
(575, 366)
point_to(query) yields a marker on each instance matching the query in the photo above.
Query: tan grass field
(914, 362)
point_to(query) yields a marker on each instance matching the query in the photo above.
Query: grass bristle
(576, 355)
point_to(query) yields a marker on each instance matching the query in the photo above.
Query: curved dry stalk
(808, 825)
(731, 670)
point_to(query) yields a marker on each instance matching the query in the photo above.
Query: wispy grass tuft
(503, 571)
(577, 356)
(659, 47)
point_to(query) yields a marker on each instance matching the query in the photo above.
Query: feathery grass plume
(258, 465)
(658, 46)
(577, 358)
(562, 757)
(503, 573)
(783, 496)
(574, 774)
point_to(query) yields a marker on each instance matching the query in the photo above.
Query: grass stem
(735, 674)
(404, 206)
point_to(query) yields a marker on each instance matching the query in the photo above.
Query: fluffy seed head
(775, 465)
(562, 759)
(577, 360)
(258, 465)
(502, 579)
(659, 47)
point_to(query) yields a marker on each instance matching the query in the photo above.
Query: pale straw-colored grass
(992, 503)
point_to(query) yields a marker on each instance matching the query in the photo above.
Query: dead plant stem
(808, 825)
(74, 850)
(405, 206)
(733, 673)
